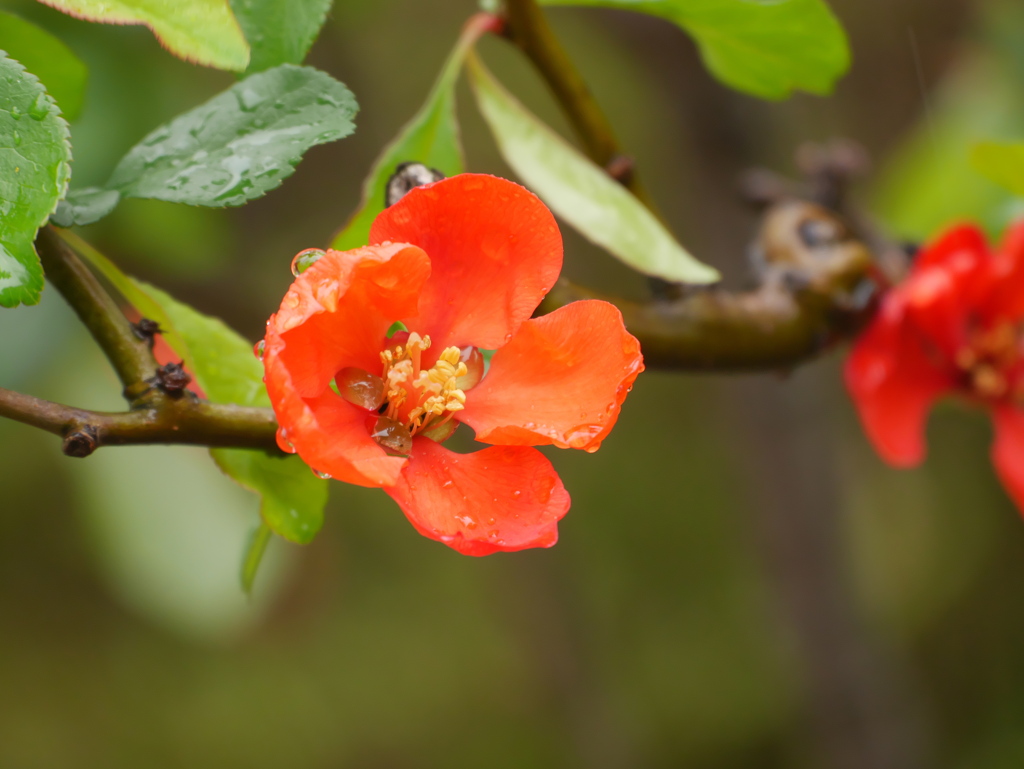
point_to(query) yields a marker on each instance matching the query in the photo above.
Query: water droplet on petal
(474, 361)
(283, 443)
(468, 521)
(324, 476)
(393, 436)
(306, 259)
(259, 347)
(516, 494)
(360, 388)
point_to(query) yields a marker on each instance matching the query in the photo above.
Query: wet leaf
(202, 31)
(431, 138)
(766, 49)
(61, 72)
(579, 191)
(279, 31)
(85, 206)
(226, 369)
(242, 143)
(34, 172)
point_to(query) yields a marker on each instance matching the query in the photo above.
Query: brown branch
(815, 289)
(128, 353)
(177, 421)
(161, 411)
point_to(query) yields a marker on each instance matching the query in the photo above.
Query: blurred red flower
(953, 326)
(461, 265)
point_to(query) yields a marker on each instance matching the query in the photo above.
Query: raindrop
(447, 484)
(516, 494)
(283, 443)
(249, 99)
(393, 436)
(474, 361)
(306, 259)
(17, 139)
(15, 113)
(360, 388)
(258, 349)
(323, 476)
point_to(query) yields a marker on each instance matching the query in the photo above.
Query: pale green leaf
(767, 48)
(202, 31)
(34, 172)
(240, 144)
(279, 31)
(579, 191)
(61, 72)
(431, 138)
(1002, 163)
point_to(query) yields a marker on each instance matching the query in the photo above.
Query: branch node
(146, 330)
(172, 378)
(81, 442)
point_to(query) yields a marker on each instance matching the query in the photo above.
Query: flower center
(988, 360)
(409, 399)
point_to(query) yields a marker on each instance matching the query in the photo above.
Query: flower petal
(1008, 452)
(337, 312)
(893, 383)
(335, 315)
(561, 380)
(503, 498)
(1006, 300)
(495, 250)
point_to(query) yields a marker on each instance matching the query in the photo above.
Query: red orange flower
(953, 326)
(461, 264)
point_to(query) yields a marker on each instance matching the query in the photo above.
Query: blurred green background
(741, 582)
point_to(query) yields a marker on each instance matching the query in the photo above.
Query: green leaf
(279, 31)
(202, 31)
(767, 48)
(254, 555)
(930, 181)
(34, 172)
(47, 58)
(1002, 163)
(579, 191)
(242, 143)
(431, 138)
(228, 372)
(85, 206)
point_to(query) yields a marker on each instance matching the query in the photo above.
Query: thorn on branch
(172, 379)
(146, 330)
(81, 442)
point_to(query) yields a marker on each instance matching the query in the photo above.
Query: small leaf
(85, 206)
(254, 555)
(1002, 163)
(228, 372)
(431, 138)
(767, 48)
(280, 31)
(47, 58)
(579, 191)
(34, 171)
(203, 31)
(242, 143)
